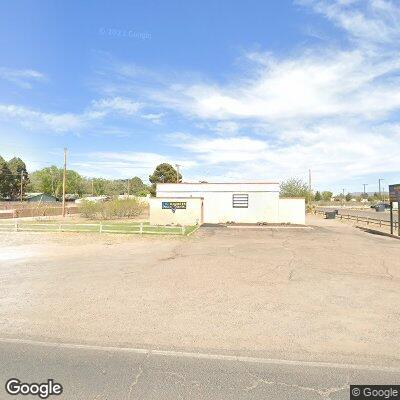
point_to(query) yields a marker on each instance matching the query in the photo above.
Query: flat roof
(175, 197)
(219, 183)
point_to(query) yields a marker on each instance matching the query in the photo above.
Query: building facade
(241, 202)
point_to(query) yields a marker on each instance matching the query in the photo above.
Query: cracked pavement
(324, 294)
(94, 374)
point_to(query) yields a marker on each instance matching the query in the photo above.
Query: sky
(230, 90)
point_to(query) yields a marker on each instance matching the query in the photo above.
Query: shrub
(89, 209)
(112, 209)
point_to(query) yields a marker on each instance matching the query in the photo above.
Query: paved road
(384, 216)
(94, 373)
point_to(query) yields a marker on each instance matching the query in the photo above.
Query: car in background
(385, 206)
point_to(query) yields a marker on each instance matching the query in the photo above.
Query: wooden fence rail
(367, 220)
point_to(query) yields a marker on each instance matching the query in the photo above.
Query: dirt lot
(330, 293)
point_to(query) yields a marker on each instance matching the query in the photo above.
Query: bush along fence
(139, 228)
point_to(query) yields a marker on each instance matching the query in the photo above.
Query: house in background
(40, 197)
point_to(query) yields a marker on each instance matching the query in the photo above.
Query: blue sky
(229, 90)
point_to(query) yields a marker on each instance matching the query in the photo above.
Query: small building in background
(93, 199)
(234, 202)
(40, 198)
(71, 197)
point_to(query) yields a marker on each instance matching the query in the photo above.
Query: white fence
(141, 228)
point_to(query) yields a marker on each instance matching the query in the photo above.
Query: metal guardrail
(100, 228)
(367, 220)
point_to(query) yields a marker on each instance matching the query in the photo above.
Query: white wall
(292, 211)
(192, 215)
(264, 203)
(218, 207)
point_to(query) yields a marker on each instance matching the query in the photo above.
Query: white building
(241, 202)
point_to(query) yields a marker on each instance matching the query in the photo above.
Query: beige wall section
(192, 215)
(292, 211)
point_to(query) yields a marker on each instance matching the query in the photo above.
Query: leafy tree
(18, 169)
(164, 173)
(74, 183)
(137, 186)
(6, 179)
(348, 197)
(317, 196)
(114, 187)
(295, 188)
(47, 180)
(326, 196)
(50, 179)
(143, 193)
(99, 187)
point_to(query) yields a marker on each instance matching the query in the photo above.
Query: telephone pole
(365, 184)
(380, 193)
(177, 172)
(22, 184)
(64, 181)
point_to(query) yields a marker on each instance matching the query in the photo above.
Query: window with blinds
(240, 201)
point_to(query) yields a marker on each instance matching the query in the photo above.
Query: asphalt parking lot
(328, 293)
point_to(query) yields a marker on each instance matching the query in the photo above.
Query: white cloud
(120, 105)
(22, 78)
(68, 122)
(126, 164)
(156, 118)
(35, 119)
(331, 151)
(316, 84)
(369, 21)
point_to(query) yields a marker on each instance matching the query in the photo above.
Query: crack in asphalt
(324, 393)
(138, 375)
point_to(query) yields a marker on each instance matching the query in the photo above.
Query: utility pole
(22, 184)
(177, 172)
(365, 184)
(379, 182)
(64, 181)
(343, 198)
(309, 186)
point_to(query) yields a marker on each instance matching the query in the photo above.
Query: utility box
(330, 214)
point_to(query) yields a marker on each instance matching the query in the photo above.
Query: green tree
(74, 183)
(18, 170)
(49, 180)
(99, 187)
(164, 173)
(295, 188)
(6, 179)
(317, 196)
(348, 197)
(326, 196)
(137, 186)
